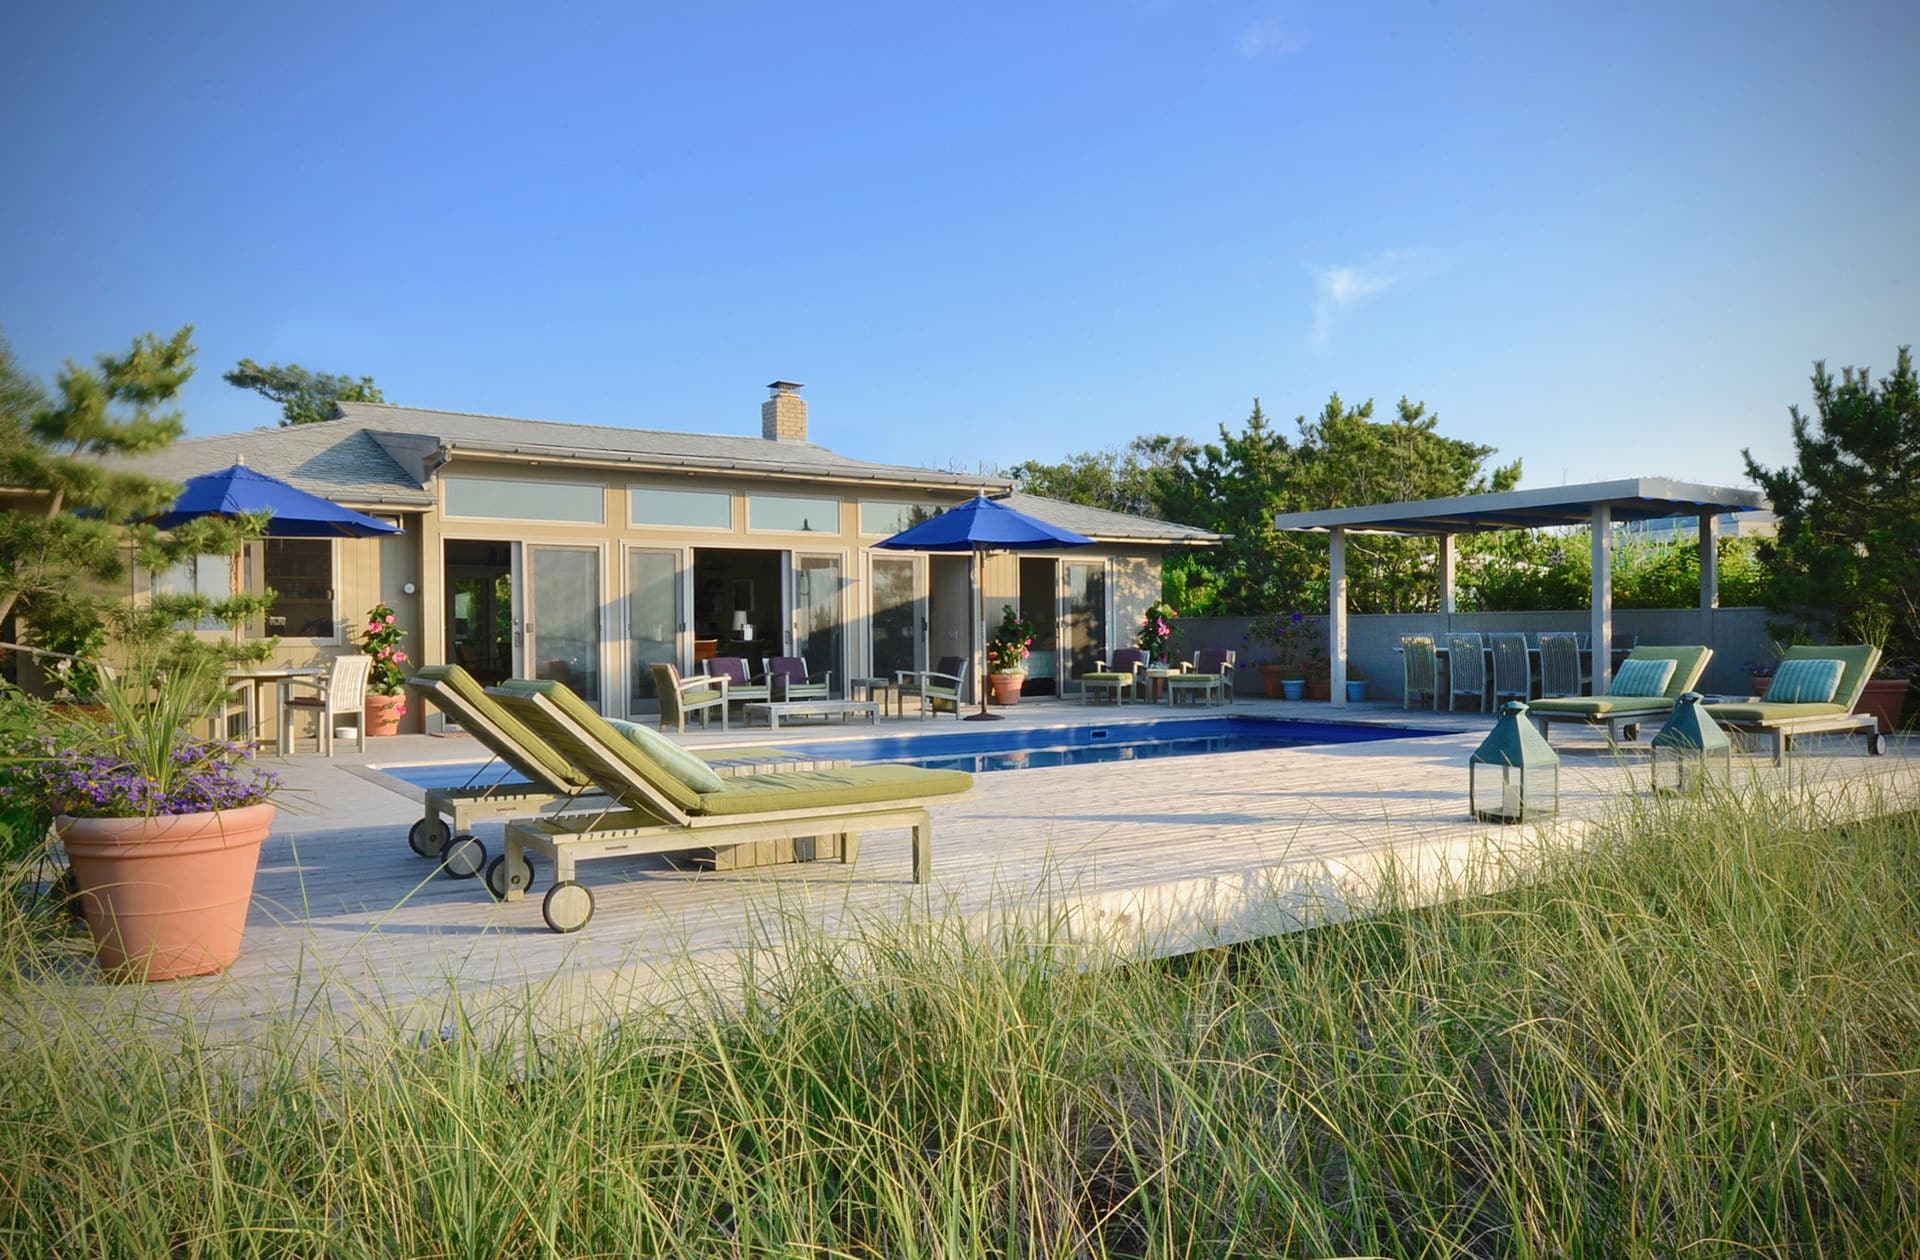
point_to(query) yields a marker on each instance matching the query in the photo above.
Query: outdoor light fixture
(1514, 776)
(1691, 749)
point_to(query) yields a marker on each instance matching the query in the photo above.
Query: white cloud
(1339, 286)
(1268, 37)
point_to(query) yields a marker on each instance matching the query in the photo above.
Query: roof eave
(694, 463)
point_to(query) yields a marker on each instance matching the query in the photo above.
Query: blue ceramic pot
(1357, 691)
(1293, 688)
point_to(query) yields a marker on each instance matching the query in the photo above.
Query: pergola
(1597, 504)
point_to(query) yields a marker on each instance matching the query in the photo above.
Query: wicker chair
(1467, 670)
(1512, 670)
(1422, 670)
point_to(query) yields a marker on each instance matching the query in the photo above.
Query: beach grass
(1699, 1035)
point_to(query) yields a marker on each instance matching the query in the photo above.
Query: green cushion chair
(1620, 715)
(1779, 722)
(655, 810)
(682, 697)
(937, 688)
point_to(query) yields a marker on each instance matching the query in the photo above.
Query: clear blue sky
(1607, 240)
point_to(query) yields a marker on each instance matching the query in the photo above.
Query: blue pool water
(1032, 748)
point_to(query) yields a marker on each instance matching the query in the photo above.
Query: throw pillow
(1806, 680)
(1643, 677)
(675, 760)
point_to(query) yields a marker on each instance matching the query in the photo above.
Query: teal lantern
(1514, 776)
(1691, 750)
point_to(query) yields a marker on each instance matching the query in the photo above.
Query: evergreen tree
(304, 397)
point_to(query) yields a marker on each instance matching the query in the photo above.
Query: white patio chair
(1466, 670)
(341, 694)
(1561, 671)
(1422, 671)
(1512, 670)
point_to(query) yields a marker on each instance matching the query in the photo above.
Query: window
(793, 514)
(209, 576)
(514, 500)
(885, 517)
(299, 571)
(695, 509)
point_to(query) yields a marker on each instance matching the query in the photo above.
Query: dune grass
(1699, 1037)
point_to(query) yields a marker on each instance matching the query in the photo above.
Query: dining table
(253, 679)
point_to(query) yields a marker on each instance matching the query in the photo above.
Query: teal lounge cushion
(675, 760)
(1644, 677)
(1596, 707)
(1761, 712)
(1806, 680)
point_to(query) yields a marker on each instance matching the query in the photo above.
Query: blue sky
(1608, 240)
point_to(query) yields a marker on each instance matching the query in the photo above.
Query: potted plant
(1007, 650)
(1155, 636)
(1356, 683)
(1295, 655)
(1885, 694)
(386, 702)
(162, 828)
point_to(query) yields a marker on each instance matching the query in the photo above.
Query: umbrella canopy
(981, 526)
(295, 513)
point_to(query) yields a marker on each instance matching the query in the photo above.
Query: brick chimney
(783, 417)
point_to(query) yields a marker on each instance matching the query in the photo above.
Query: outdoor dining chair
(682, 697)
(341, 695)
(1561, 671)
(1467, 667)
(942, 685)
(1512, 667)
(1422, 666)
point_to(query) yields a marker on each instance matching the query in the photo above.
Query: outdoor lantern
(1692, 749)
(1514, 776)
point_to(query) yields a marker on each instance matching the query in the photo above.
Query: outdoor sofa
(1617, 712)
(664, 800)
(1789, 710)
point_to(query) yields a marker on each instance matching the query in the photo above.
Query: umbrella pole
(980, 582)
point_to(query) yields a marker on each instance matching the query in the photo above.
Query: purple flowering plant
(1295, 641)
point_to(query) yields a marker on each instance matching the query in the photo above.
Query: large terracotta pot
(166, 897)
(382, 713)
(1884, 698)
(1271, 676)
(1319, 688)
(1006, 687)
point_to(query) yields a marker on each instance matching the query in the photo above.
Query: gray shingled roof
(336, 459)
(1099, 523)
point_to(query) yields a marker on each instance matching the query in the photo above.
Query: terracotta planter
(1319, 688)
(1884, 698)
(166, 897)
(382, 714)
(1006, 687)
(1271, 676)
(1759, 683)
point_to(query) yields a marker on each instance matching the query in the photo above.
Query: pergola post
(1449, 559)
(1337, 612)
(1709, 561)
(1602, 597)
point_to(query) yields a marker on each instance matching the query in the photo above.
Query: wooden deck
(1154, 856)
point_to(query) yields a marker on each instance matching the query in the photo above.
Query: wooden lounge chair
(1781, 716)
(680, 698)
(935, 687)
(668, 800)
(1208, 677)
(1618, 713)
(1118, 678)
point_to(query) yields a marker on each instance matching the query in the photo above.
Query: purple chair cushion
(1126, 660)
(791, 667)
(730, 667)
(1211, 661)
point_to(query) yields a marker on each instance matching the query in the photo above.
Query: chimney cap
(783, 387)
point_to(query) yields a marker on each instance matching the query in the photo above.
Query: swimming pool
(1034, 747)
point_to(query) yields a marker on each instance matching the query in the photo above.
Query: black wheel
(464, 857)
(567, 907)
(428, 837)
(1876, 744)
(1630, 732)
(500, 883)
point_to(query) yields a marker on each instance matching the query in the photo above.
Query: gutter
(692, 464)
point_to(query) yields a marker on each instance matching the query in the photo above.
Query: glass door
(897, 621)
(1086, 598)
(561, 618)
(655, 620)
(818, 635)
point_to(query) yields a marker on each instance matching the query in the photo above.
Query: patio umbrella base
(983, 717)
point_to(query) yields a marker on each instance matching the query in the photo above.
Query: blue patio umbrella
(981, 526)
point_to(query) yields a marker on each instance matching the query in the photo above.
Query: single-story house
(586, 553)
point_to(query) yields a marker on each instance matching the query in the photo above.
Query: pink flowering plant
(1010, 644)
(1156, 632)
(381, 641)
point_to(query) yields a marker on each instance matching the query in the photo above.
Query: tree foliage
(1848, 552)
(1549, 570)
(1134, 480)
(305, 397)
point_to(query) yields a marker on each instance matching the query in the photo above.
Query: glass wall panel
(700, 509)
(896, 617)
(653, 617)
(563, 617)
(816, 597)
(887, 517)
(793, 513)
(1086, 614)
(511, 500)
(299, 571)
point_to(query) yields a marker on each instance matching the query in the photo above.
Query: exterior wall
(1736, 635)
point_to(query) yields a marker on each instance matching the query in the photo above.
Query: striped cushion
(1645, 677)
(1806, 680)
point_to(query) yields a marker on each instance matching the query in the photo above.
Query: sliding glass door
(817, 627)
(894, 622)
(655, 618)
(561, 621)
(1086, 583)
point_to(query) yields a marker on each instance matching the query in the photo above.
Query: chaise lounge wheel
(1876, 744)
(464, 857)
(428, 837)
(567, 907)
(500, 882)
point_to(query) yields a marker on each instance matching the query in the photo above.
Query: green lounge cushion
(678, 762)
(1806, 680)
(1600, 706)
(628, 753)
(1105, 676)
(524, 745)
(1858, 660)
(1768, 711)
(1642, 678)
(823, 789)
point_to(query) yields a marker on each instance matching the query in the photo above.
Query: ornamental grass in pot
(162, 827)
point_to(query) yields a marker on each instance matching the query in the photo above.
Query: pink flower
(389, 618)
(399, 656)
(373, 627)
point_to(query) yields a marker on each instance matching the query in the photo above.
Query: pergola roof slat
(1637, 499)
